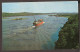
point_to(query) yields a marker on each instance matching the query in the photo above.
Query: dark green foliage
(69, 34)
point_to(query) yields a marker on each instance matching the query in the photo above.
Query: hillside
(69, 34)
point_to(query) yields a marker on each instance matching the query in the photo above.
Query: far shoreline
(32, 14)
(21, 14)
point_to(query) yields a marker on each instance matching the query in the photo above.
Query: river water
(19, 35)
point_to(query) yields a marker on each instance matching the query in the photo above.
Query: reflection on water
(20, 35)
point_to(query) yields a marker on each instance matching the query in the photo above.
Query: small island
(19, 18)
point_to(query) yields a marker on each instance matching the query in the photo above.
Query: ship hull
(39, 24)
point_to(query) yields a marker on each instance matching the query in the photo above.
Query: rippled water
(19, 35)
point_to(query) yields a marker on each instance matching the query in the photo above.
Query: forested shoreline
(69, 34)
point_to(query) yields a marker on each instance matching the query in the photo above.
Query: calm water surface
(19, 35)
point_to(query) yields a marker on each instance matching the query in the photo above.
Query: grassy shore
(69, 34)
(30, 14)
(21, 14)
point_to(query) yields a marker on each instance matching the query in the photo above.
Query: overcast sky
(41, 7)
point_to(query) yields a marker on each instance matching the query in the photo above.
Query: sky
(41, 7)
